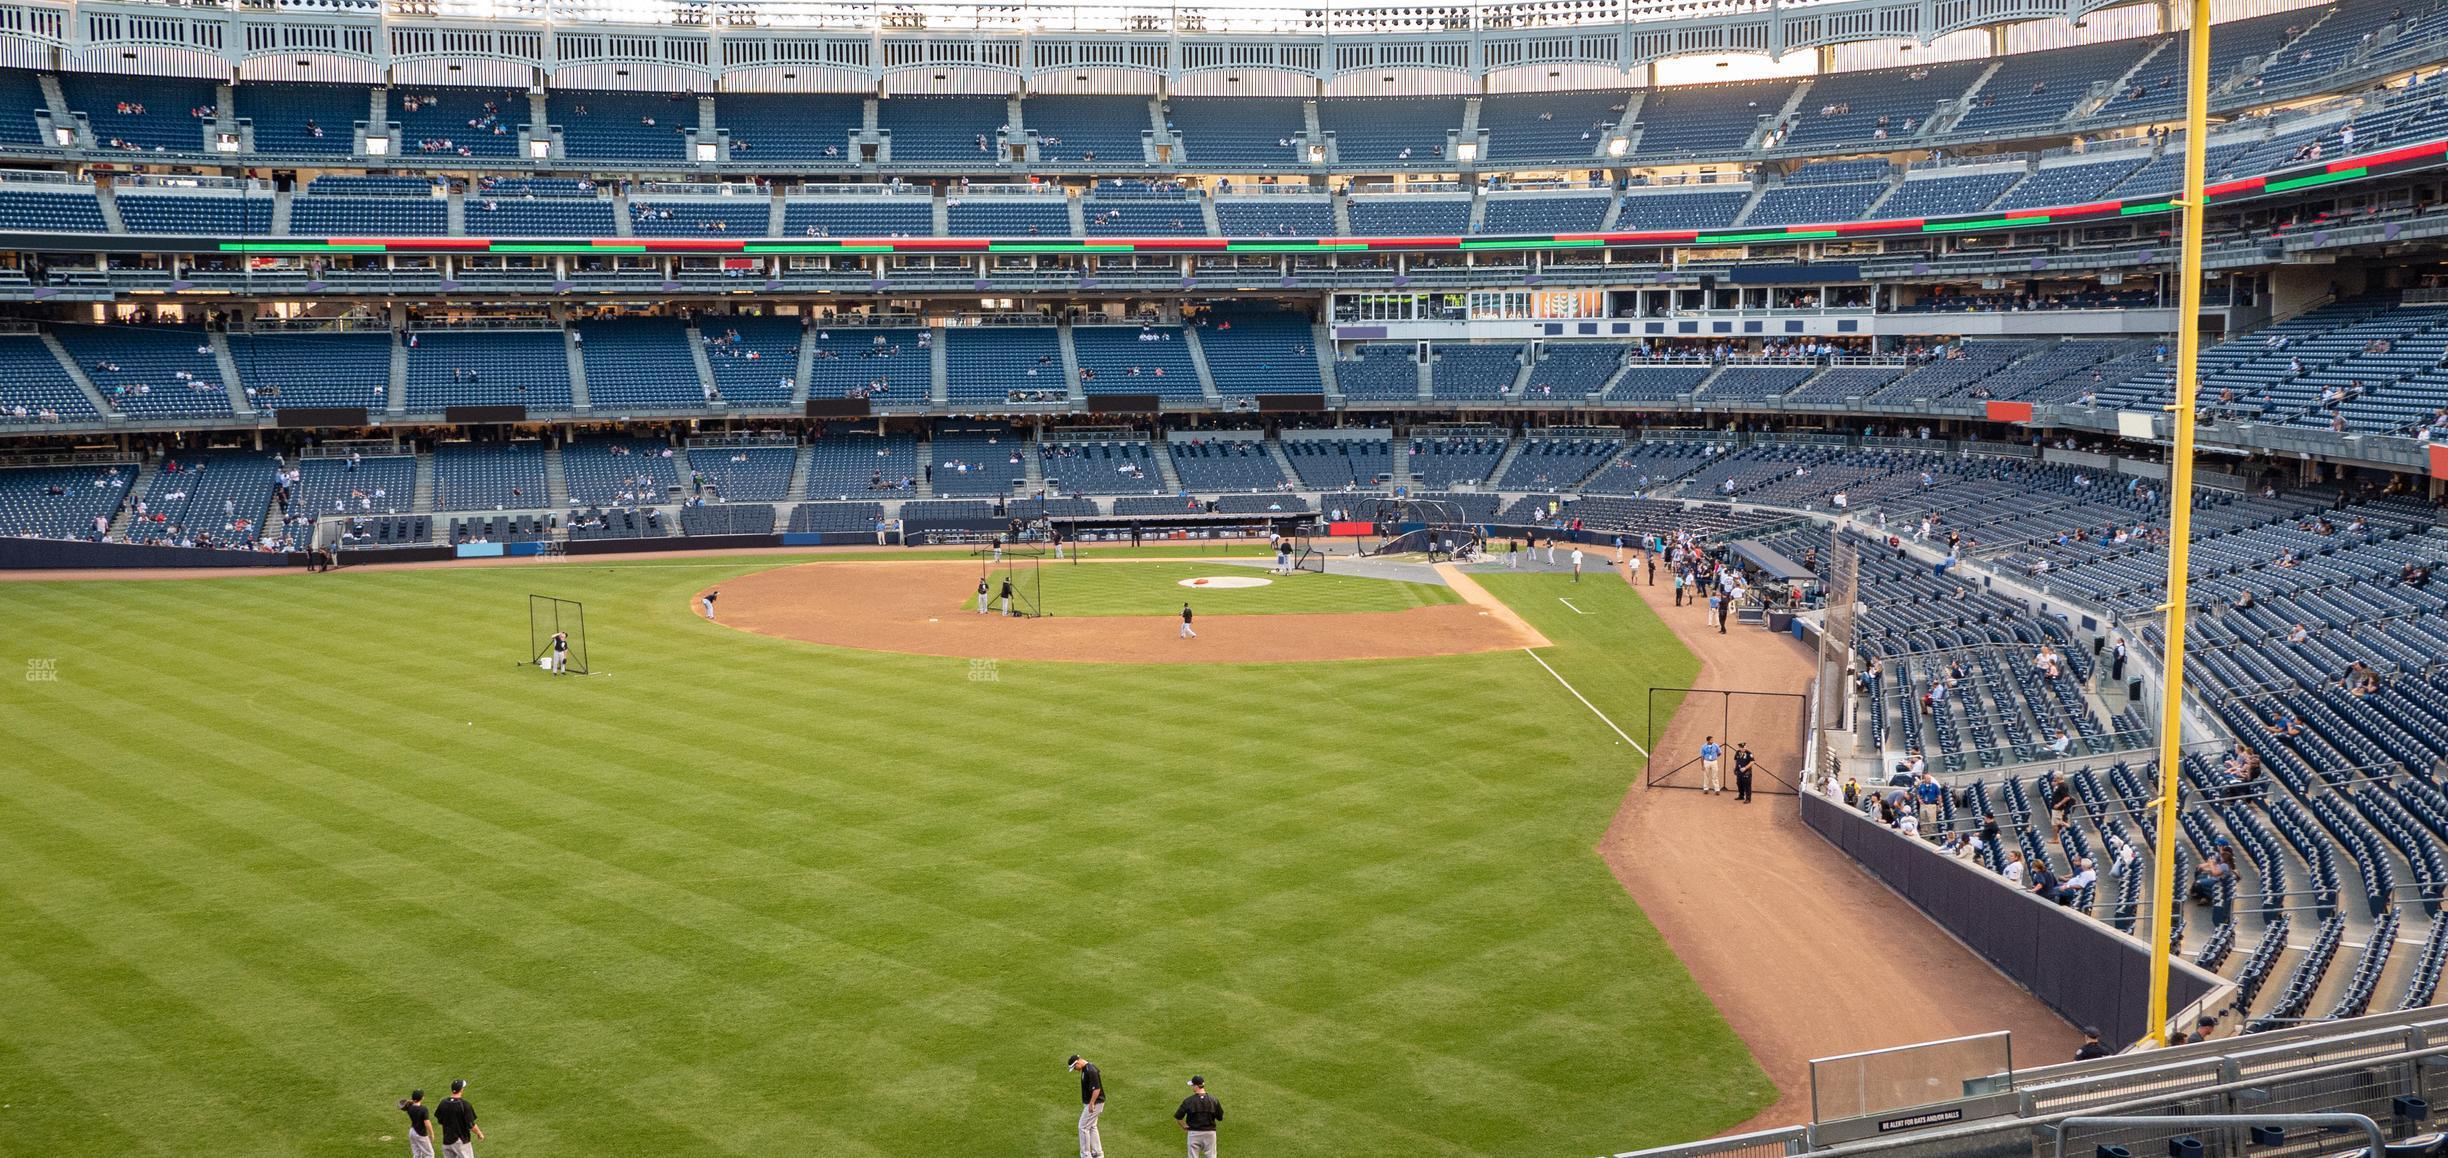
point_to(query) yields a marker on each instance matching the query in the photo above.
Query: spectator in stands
(2210, 881)
(2085, 875)
(2090, 1047)
(2015, 868)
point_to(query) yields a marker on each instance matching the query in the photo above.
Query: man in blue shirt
(1710, 782)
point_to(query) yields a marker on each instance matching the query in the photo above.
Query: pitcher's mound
(900, 607)
(1225, 581)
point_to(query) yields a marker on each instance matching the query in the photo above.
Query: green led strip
(1983, 223)
(296, 247)
(2150, 207)
(2314, 179)
(1745, 238)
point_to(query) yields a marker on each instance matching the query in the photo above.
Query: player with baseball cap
(1198, 1116)
(1092, 1106)
(460, 1133)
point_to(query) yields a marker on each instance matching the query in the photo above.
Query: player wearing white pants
(981, 597)
(1092, 1106)
(708, 603)
(1186, 632)
(559, 653)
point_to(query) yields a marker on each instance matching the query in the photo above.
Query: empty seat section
(621, 126)
(960, 130)
(62, 502)
(1706, 120)
(1106, 130)
(1255, 133)
(651, 216)
(617, 470)
(1572, 369)
(2035, 90)
(220, 497)
(1390, 130)
(792, 128)
(640, 364)
(1110, 216)
(1037, 216)
(34, 387)
(489, 476)
(527, 368)
(2071, 184)
(1946, 196)
(1886, 104)
(889, 364)
(1104, 466)
(1474, 373)
(1210, 465)
(316, 215)
(372, 485)
(21, 95)
(1275, 216)
(751, 358)
(304, 119)
(871, 216)
(1644, 382)
(52, 208)
(1550, 463)
(1455, 457)
(1335, 463)
(197, 214)
(1553, 126)
(465, 122)
(991, 363)
(1814, 204)
(149, 370)
(1409, 215)
(1255, 350)
(1533, 214)
(1135, 360)
(516, 216)
(1380, 372)
(978, 458)
(745, 474)
(847, 462)
(288, 370)
(1699, 207)
(149, 114)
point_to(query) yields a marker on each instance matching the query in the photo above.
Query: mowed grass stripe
(315, 984)
(843, 901)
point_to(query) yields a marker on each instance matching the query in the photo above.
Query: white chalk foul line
(1576, 694)
(1569, 603)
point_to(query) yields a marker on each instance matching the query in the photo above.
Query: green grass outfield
(1155, 589)
(274, 850)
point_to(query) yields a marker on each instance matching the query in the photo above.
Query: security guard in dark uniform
(1743, 759)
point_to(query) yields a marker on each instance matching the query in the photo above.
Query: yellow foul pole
(2180, 509)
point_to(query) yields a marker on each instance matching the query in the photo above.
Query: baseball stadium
(1653, 578)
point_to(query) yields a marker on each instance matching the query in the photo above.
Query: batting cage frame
(1023, 567)
(549, 615)
(1439, 522)
(1768, 721)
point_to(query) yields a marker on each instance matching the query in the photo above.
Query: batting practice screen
(1774, 724)
(547, 616)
